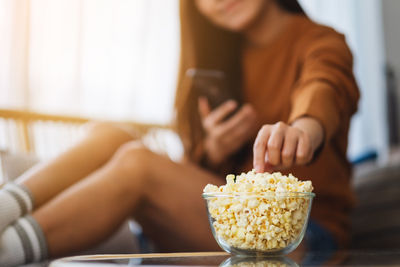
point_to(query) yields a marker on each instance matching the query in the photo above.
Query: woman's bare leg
(162, 194)
(99, 144)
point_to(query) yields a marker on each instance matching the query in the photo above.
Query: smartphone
(211, 84)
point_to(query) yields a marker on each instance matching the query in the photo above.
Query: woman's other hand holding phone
(226, 134)
(280, 146)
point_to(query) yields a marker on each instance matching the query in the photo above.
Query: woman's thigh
(172, 211)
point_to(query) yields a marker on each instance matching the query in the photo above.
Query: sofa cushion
(376, 218)
(13, 164)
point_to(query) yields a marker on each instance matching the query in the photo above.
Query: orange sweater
(307, 71)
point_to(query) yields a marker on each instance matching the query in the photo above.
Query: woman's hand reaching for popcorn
(281, 146)
(226, 134)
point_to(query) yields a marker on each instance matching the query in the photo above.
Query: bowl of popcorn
(259, 214)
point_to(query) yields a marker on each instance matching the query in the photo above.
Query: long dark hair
(203, 45)
(292, 6)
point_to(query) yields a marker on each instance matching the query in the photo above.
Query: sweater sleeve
(326, 89)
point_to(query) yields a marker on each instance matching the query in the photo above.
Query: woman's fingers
(225, 136)
(268, 167)
(260, 148)
(204, 107)
(304, 151)
(240, 125)
(275, 143)
(237, 130)
(281, 146)
(218, 114)
(289, 148)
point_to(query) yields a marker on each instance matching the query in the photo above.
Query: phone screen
(211, 84)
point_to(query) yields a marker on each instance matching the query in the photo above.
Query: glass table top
(341, 258)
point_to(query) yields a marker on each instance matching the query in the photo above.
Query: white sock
(22, 242)
(15, 201)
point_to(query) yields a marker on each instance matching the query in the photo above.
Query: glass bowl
(258, 224)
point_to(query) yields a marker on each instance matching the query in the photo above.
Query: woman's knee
(133, 159)
(110, 130)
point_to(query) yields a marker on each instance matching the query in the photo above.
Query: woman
(297, 77)
(294, 78)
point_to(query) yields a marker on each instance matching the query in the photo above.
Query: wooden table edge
(145, 255)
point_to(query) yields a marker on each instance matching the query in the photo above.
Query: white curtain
(361, 22)
(113, 59)
(118, 59)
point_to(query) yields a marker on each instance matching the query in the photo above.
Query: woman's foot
(22, 242)
(15, 201)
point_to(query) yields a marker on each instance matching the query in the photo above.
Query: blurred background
(65, 61)
(117, 59)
